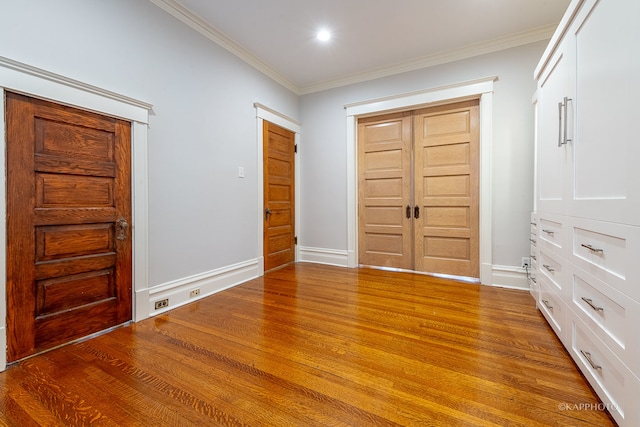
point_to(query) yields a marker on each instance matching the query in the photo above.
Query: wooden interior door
(68, 215)
(279, 196)
(446, 155)
(384, 188)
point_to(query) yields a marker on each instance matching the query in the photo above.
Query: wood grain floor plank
(312, 345)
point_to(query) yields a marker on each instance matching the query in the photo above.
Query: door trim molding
(482, 88)
(38, 83)
(265, 113)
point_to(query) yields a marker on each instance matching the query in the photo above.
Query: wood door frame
(25, 79)
(482, 89)
(265, 113)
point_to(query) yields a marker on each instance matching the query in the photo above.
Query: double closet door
(418, 206)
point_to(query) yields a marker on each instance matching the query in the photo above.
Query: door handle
(267, 212)
(416, 212)
(408, 211)
(122, 226)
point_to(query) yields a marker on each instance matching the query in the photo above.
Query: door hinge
(295, 148)
(295, 240)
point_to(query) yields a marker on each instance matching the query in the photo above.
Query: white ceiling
(371, 38)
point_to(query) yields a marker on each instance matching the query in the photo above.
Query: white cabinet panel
(607, 102)
(608, 314)
(552, 267)
(616, 385)
(553, 155)
(551, 230)
(609, 251)
(553, 308)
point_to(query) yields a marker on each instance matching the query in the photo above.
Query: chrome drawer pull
(591, 304)
(533, 279)
(533, 223)
(549, 268)
(592, 249)
(546, 304)
(550, 232)
(587, 356)
(533, 257)
(532, 241)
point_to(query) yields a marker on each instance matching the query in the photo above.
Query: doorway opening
(481, 89)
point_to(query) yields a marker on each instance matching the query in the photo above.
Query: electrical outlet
(162, 303)
(526, 262)
(194, 293)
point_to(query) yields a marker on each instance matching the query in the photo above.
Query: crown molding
(495, 45)
(184, 15)
(174, 8)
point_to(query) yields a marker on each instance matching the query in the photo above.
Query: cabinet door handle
(562, 119)
(546, 304)
(408, 212)
(592, 249)
(566, 108)
(589, 301)
(587, 356)
(532, 241)
(549, 268)
(416, 212)
(550, 232)
(559, 124)
(533, 257)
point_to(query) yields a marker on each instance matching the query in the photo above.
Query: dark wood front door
(279, 203)
(68, 224)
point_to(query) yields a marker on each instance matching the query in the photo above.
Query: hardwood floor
(312, 345)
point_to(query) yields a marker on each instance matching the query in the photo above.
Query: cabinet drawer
(552, 268)
(611, 315)
(551, 231)
(614, 383)
(607, 250)
(552, 307)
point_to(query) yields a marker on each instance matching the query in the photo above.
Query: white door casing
(482, 89)
(38, 83)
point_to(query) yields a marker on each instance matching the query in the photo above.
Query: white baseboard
(177, 292)
(323, 256)
(509, 277)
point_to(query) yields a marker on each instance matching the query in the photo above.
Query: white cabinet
(587, 232)
(606, 147)
(554, 96)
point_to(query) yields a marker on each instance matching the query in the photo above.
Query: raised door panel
(606, 147)
(384, 162)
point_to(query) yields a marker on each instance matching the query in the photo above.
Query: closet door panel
(384, 161)
(446, 152)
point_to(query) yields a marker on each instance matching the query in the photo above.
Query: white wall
(324, 154)
(202, 127)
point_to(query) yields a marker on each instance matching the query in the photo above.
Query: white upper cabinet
(606, 149)
(553, 150)
(589, 102)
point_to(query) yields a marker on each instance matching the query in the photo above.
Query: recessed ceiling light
(324, 35)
